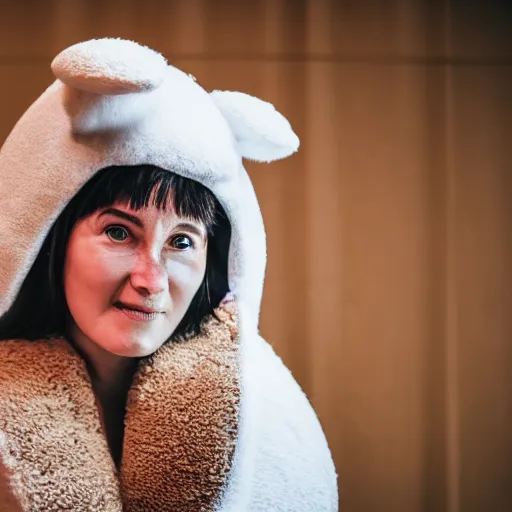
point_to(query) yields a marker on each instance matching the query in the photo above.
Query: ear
(262, 133)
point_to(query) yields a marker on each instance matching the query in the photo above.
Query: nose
(149, 276)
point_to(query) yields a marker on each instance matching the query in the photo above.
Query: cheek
(185, 277)
(90, 273)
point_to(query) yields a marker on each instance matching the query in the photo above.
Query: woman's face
(118, 259)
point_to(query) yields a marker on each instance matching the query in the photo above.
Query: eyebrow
(122, 215)
(135, 220)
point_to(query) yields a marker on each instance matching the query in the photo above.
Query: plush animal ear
(110, 66)
(262, 133)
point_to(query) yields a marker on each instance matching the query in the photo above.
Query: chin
(136, 347)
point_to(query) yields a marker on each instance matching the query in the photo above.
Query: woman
(130, 379)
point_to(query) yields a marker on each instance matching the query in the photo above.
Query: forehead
(148, 216)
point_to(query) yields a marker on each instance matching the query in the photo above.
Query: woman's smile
(137, 315)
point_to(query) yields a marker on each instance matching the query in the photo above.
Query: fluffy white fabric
(263, 134)
(116, 103)
(280, 442)
(110, 66)
(291, 439)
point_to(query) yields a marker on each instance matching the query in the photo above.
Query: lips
(137, 313)
(136, 307)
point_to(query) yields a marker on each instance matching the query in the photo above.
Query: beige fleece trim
(182, 422)
(53, 445)
(180, 428)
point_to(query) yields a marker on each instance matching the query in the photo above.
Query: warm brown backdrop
(389, 284)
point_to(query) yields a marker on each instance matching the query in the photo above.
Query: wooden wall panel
(21, 83)
(227, 28)
(481, 31)
(389, 233)
(372, 208)
(482, 164)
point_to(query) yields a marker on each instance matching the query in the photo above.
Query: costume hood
(215, 423)
(118, 103)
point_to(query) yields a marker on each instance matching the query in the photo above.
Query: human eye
(117, 234)
(182, 242)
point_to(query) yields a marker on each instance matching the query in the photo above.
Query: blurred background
(389, 282)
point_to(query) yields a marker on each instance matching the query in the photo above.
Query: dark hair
(40, 308)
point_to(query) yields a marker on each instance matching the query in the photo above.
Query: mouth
(138, 313)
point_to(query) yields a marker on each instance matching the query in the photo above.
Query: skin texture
(159, 264)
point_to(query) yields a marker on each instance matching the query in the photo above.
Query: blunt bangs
(144, 185)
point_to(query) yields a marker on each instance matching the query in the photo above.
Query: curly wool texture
(180, 427)
(52, 431)
(190, 394)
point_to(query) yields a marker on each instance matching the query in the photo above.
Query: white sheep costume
(216, 423)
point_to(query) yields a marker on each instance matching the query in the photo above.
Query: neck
(111, 375)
